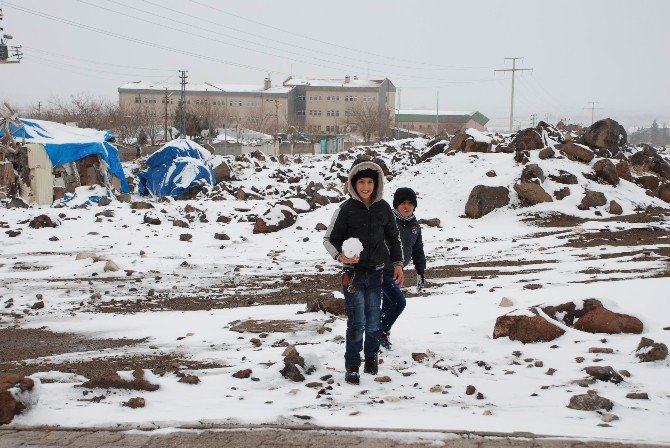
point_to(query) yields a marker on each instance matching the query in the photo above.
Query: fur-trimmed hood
(378, 193)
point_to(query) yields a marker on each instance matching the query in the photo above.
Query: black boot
(385, 340)
(352, 376)
(371, 365)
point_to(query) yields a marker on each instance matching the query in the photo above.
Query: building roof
(203, 88)
(427, 115)
(340, 82)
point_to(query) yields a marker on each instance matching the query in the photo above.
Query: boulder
(562, 193)
(590, 402)
(602, 320)
(274, 219)
(332, 305)
(17, 202)
(140, 205)
(531, 194)
(648, 182)
(42, 221)
(564, 177)
(531, 172)
(649, 351)
(135, 402)
(663, 192)
(615, 208)
(576, 151)
(152, 219)
(604, 373)
(568, 312)
(546, 153)
(606, 170)
(434, 150)
(17, 394)
(592, 199)
(114, 381)
(484, 200)
(528, 140)
(526, 329)
(430, 222)
(463, 142)
(623, 170)
(605, 134)
(222, 172)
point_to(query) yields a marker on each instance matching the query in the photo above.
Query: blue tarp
(65, 144)
(173, 169)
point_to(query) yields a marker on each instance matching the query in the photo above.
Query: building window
(333, 113)
(138, 99)
(235, 103)
(301, 113)
(252, 103)
(350, 98)
(369, 99)
(315, 113)
(333, 98)
(315, 97)
(301, 97)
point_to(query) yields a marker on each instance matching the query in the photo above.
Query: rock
(491, 173)
(592, 199)
(528, 139)
(431, 222)
(42, 221)
(546, 153)
(419, 357)
(466, 143)
(123, 197)
(104, 201)
(291, 372)
(321, 227)
(532, 286)
(623, 170)
(110, 266)
(615, 208)
(483, 200)
(17, 203)
(531, 194)
(16, 396)
(576, 151)
(562, 193)
(327, 304)
(602, 320)
(650, 351)
(505, 302)
(605, 134)
(470, 390)
(436, 389)
(531, 172)
(648, 182)
(607, 417)
(437, 148)
(180, 223)
(150, 218)
(637, 396)
(185, 237)
(222, 173)
(140, 205)
(663, 192)
(550, 371)
(221, 236)
(480, 396)
(383, 379)
(590, 402)
(134, 403)
(291, 355)
(114, 381)
(606, 170)
(242, 374)
(604, 373)
(223, 219)
(603, 350)
(567, 313)
(564, 177)
(274, 219)
(37, 305)
(526, 329)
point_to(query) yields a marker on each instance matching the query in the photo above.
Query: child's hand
(399, 276)
(353, 260)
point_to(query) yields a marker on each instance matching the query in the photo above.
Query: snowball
(352, 247)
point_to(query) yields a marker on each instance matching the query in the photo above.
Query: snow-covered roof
(340, 82)
(230, 88)
(432, 112)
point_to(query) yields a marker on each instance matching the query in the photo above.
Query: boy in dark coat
(393, 300)
(367, 217)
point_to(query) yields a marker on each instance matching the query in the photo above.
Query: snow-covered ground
(451, 321)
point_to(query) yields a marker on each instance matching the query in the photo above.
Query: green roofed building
(426, 120)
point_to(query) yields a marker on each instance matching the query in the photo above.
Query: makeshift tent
(175, 168)
(66, 144)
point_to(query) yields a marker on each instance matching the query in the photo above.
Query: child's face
(406, 208)
(364, 187)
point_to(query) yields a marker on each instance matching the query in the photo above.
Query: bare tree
(259, 120)
(367, 119)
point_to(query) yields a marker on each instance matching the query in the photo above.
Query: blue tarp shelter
(65, 144)
(173, 169)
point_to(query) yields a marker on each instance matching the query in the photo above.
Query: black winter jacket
(374, 227)
(412, 245)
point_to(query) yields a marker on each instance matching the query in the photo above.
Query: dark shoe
(352, 376)
(371, 365)
(385, 340)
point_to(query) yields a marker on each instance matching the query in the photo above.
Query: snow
(434, 111)
(451, 320)
(352, 247)
(314, 82)
(196, 87)
(276, 214)
(479, 136)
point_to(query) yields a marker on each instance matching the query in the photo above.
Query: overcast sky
(611, 51)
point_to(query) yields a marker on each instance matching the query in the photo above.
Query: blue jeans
(393, 302)
(362, 301)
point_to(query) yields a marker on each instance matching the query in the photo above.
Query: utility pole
(5, 55)
(166, 99)
(437, 113)
(182, 102)
(513, 70)
(533, 117)
(593, 108)
(225, 118)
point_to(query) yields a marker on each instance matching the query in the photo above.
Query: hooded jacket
(412, 244)
(375, 227)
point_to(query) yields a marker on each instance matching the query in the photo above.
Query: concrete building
(426, 121)
(316, 106)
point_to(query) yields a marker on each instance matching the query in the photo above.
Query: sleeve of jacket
(418, 256)
(336, 233)
(393, 241)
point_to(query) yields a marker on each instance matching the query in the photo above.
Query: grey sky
(615, 52)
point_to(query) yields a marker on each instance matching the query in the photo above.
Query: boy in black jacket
(367, 217)
(393, 300)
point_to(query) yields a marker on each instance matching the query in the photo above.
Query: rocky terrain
(546, 309)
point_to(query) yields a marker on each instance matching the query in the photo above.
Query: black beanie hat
(404, 194)
(368, 172)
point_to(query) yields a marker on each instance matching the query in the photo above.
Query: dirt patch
(18, 344)
(475, 270)
(650, 215)
(648, 236)
(268, 326)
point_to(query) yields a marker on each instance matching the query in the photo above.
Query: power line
(593, 108)
(97, 62)
(513, 70)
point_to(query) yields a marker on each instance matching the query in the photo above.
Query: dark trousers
(362, 300)
(393, 302)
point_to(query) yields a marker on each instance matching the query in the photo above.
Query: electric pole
(593, 108)
(533, 117)
(437, 113)
(166, 99)
(8, 54)
(182, 102)
(513, 70)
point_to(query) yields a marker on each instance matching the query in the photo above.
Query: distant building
(426, 120)
(316, 106)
